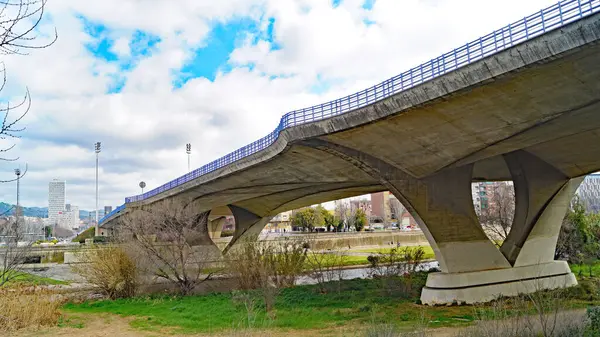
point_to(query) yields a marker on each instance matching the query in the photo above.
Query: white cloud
(145, 127)
(121, 47)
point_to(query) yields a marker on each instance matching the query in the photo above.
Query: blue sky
(207, 60)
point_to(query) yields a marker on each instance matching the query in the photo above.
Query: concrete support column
(441, 204)
(444, 207)
(199, 238)
(247, 226)
(473, 268)
(215, 227)
(542, 197)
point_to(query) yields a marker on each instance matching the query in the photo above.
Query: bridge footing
(485, 286)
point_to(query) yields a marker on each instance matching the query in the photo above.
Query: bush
(23, 307)
(267, 266)
(396, 262)
(101, 239)
(111, 269)
(593, 315)
(397, 270)
(325, 268)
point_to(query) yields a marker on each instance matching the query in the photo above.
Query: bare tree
(14, 249)
(172, 242)
(342, 211)
(396, 208)
(267, 266)
(497, 218)
(19, 20)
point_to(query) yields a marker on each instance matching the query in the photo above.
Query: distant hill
(42, 212)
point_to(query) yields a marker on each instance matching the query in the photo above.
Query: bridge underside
(530, 114)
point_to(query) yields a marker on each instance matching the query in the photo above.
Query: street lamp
(18, 174)
(97, 148)
(142, 185)
(188, 150)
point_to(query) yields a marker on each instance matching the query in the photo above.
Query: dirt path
(108, 325)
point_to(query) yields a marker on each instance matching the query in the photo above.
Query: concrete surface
(485, 286)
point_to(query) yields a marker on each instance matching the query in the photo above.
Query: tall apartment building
(589, 192)
(483, 194)
(74, 212)
(380, 205)
(56, 201)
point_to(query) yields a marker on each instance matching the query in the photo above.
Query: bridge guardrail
(550, 18)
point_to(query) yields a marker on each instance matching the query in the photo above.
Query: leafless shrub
(396, 262)
(111, 269)
(26, 307)
(326, 268)
(15, 251)
(171, 243)
(267, 266)
(397, 270)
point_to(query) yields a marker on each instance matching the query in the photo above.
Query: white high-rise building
(74, 216)
(56, 201)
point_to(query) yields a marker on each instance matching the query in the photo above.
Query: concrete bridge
(520, 104)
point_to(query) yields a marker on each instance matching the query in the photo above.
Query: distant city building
(407, 221)
(380, 206)
(101, 214)
(483, 194)
(589, 192)
(63, 220)
(107, 209)
(74, 216)
(56, 201)
(363, 204)
(386, 208)
(280, 223)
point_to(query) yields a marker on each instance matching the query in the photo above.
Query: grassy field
(358, 303)
(302, 307)
(27, 279)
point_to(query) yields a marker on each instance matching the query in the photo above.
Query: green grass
(86, 234)
(26, 279)
(584, 270)
(357, 303)
(428, 251)
(302, 307)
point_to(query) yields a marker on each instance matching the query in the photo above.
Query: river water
(63, 272)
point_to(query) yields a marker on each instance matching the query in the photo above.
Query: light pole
(18, 174)
(97, 147)
(188, 150)
(142, 185)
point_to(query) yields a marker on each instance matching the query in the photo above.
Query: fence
(538, 23)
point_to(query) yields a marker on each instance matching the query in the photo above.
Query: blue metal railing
(556, 16)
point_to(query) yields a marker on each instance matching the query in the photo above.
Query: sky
(145, 77)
